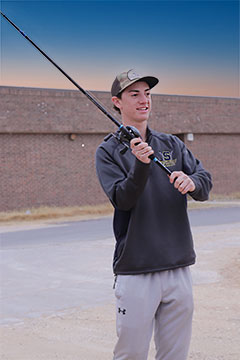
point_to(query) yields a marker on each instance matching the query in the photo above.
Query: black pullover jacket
(150, 223)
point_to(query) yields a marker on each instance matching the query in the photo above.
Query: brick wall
(48, 169)
(220, 155)
(41, 165)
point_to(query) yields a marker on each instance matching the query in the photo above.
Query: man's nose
(142, 98)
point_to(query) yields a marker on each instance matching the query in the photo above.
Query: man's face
(135, 103)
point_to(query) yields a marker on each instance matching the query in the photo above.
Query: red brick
(40, 165)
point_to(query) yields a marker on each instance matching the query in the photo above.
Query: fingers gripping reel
(124, 136)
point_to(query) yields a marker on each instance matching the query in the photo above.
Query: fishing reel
(124, 135)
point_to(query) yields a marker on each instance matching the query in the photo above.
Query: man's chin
(142, 117)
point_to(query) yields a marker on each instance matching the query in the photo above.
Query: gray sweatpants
(161, 300)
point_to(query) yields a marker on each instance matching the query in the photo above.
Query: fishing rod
(126, 133)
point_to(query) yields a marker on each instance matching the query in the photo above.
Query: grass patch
(220, 197)
(210, 204)
(46, 213)
(51, 213)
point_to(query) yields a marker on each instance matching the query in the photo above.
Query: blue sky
(191, 46)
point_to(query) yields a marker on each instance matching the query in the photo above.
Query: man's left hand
(183, 183)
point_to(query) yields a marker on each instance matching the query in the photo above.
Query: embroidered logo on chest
(166, 158)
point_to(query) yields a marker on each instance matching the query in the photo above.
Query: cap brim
(150, 80)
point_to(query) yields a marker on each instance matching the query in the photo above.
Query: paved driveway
(53, 268)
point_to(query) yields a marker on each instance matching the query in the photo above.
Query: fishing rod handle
(130, 132)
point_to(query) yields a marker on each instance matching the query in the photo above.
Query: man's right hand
(141, 150)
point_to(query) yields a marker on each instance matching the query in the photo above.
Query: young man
(154, 245)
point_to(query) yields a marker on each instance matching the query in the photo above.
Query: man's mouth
(145, 108)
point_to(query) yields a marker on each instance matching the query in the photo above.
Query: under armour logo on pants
(123, 311)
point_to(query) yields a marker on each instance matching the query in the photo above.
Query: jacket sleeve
(201, 177)
(123, 189)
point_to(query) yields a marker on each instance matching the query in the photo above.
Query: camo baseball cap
(128, 78)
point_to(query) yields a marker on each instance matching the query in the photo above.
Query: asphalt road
(53, 268)
(88, 230)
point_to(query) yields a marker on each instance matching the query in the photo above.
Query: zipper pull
(115, 280)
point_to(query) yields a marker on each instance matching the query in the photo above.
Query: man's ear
(116, 101)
